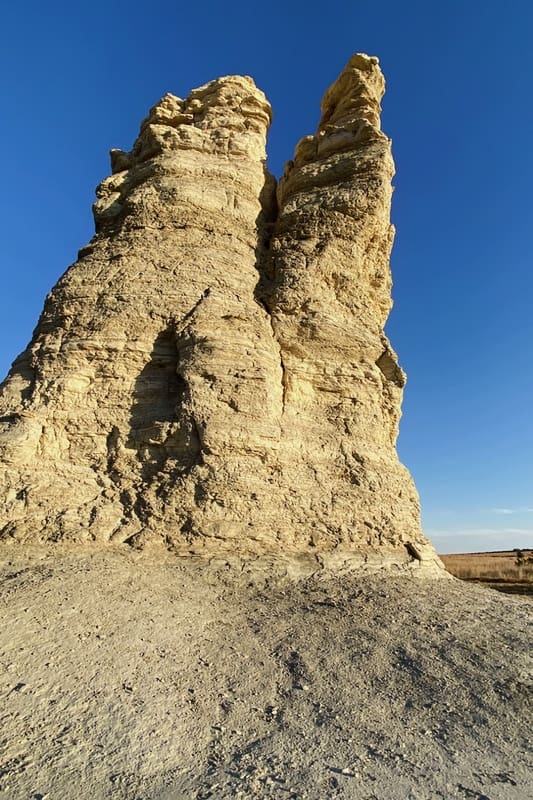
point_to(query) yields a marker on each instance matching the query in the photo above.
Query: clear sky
(77, 78)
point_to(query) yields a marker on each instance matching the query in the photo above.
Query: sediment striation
(212, 373)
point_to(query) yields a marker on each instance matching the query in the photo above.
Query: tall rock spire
(139, 393)
(329, 293)
(212, 373)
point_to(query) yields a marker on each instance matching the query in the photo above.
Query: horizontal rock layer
(212, 373)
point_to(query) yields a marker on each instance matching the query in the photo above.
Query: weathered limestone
(213, 374)
(329, 298)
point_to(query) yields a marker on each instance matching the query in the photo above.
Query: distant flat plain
(507, 570)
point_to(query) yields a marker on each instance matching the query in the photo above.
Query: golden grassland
(511, 567)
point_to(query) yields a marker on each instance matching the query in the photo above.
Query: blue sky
(76, 80)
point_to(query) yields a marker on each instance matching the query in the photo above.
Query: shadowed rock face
(212, 373)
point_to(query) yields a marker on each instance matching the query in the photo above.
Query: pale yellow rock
(329, 295)
(212, 374)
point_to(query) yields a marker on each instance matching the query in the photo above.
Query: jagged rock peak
(351, 109)
(212, 374)
(229, 104)
(355, 95)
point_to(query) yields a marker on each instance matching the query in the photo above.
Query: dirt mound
(125, 675)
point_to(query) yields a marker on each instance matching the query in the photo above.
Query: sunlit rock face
(212, 373)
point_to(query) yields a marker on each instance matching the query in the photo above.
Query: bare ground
(141, 677)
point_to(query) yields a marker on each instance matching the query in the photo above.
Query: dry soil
(132, 676)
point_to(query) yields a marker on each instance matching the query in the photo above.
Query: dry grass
(514, 566)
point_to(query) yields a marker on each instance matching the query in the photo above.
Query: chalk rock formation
(212, 373)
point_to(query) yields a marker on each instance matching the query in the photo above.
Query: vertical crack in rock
(283, 376)
(212, 372)
(283, 382)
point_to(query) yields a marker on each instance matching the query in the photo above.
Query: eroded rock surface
(212, 373)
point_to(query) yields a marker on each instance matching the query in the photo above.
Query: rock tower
(212, 373)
